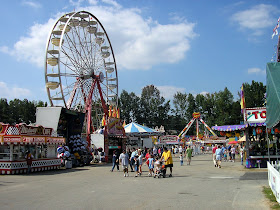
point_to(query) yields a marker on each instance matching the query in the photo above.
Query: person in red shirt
(214, 155)
(147, 156)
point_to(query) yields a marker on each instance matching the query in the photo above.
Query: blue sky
(192, 46)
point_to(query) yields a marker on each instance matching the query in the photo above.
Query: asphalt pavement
(196, 186)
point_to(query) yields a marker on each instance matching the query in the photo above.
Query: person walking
(140, 160)
(214, 155)
(115, 161)
(124, 159)
(233, 150)
(219, 155)
(166, 155)
(136, 164)
(189, 155)
(151, 165)
(181, 159)
(29, 157)
(132, 158)
(155, 151)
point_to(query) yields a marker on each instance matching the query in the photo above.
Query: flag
(103, 121)
(118, 113)
(124, 124)
(242, 101)
(114, 112)
(110, 111)
(275, 31)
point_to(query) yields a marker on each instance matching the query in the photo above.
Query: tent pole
(268, 142)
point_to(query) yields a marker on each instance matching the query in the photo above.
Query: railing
(274, 179)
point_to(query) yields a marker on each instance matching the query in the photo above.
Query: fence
(274, 179)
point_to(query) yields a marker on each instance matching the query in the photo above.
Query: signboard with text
(255, 115)
(169, 139)
(11, 139)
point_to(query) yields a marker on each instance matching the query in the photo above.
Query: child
(225, 155)
(136, 164)
(157, 165)
(151, 165)
(140, 160)
(181, 159)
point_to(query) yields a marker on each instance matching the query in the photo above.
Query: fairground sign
(255, 115)
(169, 139)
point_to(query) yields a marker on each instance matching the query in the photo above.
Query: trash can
(68, 164)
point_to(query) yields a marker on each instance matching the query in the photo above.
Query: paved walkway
(198, 186)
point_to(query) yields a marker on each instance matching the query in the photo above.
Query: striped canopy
(134, 128)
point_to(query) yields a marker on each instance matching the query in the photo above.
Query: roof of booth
(135, 128)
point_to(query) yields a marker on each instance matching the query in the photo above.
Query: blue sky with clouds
(192, 46)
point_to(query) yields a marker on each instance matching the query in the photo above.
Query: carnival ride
(80, 68)
(197, 118)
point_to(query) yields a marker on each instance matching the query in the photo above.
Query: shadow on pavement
(55, 172)
(254, 176)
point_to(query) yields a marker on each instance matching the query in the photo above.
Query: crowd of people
(223, 153)
(155, 159)
(136, 158)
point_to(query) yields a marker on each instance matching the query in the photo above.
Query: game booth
(261, 144)
(106, 140)
(38, 140)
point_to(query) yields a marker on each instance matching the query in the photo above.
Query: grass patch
(270, 196)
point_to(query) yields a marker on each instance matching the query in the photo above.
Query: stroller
(160, 170)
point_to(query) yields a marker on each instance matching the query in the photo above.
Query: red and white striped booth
(16, 140)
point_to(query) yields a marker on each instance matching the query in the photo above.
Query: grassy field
(270, 196)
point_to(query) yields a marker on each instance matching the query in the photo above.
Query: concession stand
(114, 138)
(16, 140)
(257, 149)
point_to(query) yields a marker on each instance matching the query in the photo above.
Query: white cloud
(169, 91)
(138, 43)
(32, 4)
(256, 18)
(76, 3)
(13, 92)
(31, 48)
(204, 93)
(256, 71)
(93, 2)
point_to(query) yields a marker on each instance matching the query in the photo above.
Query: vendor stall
(114, 138)
(141, 136)
(257, 149)
(17, 140)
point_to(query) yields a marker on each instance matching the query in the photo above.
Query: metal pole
(268, 142)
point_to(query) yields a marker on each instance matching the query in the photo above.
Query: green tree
(254, 94)
(180, 103)
(154, 110)
(223, 102)
(4, 111)
(129, 106)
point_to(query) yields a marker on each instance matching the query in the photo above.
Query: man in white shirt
(233, 153)
(124, 159)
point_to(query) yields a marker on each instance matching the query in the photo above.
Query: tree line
(219, 108)
(19, 111)
(152, 109)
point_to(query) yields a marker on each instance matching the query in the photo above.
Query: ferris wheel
(80, 67)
